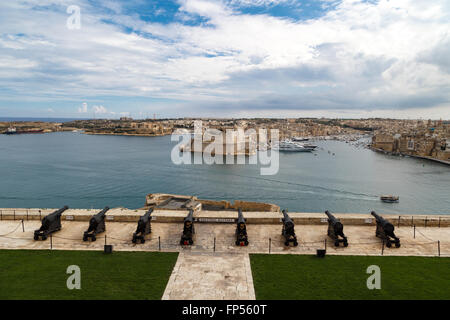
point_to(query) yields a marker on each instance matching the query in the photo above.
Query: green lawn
(41, 274)
(296, 277)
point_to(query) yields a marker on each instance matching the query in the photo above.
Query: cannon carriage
(336, 230)
(187, 238)
(241, 230)
(144, 227)
(385, 231)
(51, 223)
(288, 231)
(96, 225)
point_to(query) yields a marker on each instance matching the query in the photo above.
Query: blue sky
(226, 58)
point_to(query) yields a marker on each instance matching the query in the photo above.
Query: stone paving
(209, 276)
(214, 268)
(362, 240)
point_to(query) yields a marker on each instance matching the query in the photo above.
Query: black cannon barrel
(288, 222)
(286, 218)
(240, 217)
(143, 227)
(386, 225)
(189, 222)
(336, 223)
(379, 218)
(240, 220)
(50, 224)
(332, 218)
(385, 231)
(382, 221)
(288, 231)
(96, 225)
(336, 230)
(98, 217)
(241, 230)
(58, 212)
(54, 215)
(103, 212)
(146, 217)
(143, 221)
(188, 229)
(190, 216)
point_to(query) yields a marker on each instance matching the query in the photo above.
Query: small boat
(299, 139)
(309, 146)
(11, 130)
(389, 198)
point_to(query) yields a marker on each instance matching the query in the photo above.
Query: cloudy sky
(224, 58)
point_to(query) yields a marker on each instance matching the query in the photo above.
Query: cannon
(144, 227)
(188, 229)
(288, 231)
(336, 230)
(96, 225)
(51, 223)
(385, 231)
(241, 230)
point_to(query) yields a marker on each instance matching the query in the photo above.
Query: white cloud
(204, 8)
(359, 55)
(99, 110)
(83, 108)
(259, 3)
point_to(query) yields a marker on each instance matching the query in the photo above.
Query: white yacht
(290, 146)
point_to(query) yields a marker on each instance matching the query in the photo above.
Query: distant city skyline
(225, 58)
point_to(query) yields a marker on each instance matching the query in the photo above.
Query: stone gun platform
(215, 232)
(214, 267)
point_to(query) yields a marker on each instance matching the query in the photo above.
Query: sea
(93, 171)
(28, 119)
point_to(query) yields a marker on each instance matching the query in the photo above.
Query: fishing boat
(11, 131)
(389, 198)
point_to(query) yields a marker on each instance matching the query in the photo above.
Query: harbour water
(90, 171)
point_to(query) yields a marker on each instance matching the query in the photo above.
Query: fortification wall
(252, 217)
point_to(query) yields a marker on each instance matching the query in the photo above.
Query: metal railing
(226, 244)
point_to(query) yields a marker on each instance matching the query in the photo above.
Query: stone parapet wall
(252, 217)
